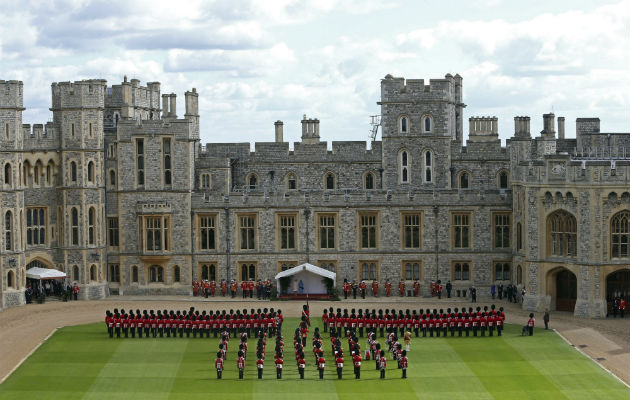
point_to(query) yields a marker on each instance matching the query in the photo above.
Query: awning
(308, 274)
(44, 273)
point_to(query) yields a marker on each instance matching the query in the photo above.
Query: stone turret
(278, 125)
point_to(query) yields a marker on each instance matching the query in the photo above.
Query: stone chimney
(521, 127)
(549, 123)
(164, 105)
(560, 127)
(310, 130)
(279, 128)
(173, 105)
(192, 103)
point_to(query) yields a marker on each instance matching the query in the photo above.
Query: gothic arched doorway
(566, 290)
(617, 285)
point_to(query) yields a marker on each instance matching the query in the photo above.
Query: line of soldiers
(354, 288)
(207, 288)
(432, 322)
(173, 323)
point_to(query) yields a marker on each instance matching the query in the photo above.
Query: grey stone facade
(153, 187)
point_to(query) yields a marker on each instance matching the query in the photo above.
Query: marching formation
(171, 323)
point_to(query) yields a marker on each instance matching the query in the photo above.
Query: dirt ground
(22, 329)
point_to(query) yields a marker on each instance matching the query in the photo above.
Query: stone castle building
(118, 192)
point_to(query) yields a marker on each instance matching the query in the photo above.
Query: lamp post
(436, 211)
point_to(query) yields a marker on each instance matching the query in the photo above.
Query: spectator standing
(546, 319)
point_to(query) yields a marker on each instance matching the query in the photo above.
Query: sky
(257, 61)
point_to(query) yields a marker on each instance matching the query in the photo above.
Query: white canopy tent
(44, 273)
(310, 275)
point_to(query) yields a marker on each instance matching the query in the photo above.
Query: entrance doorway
(566, 290)
(617, 285)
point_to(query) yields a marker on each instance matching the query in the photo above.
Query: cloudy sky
(256, 61)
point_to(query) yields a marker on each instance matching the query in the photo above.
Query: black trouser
(174, 331)
(459, 331)
(491, 330)
(240, 373)
(499, 329)
(133, 331)
(339, 372)
(251, 294)
(110, 330)
(321, 374)
(126, 332)
(219, 373)
(547, 324)
(381, 332)
(437, 331)
(361, 332)
(301, 371)
(402, 331)
(363, 293)
(474, 331)
(146, 331)
(448, 293)
(467, 331)
(325, 327)
(439, 294)
(161, 331)
(424, 332)
(452, 331)
(445, 331)
(345, 295)
(415, 330)
(431, 331)
(357, 372)
(531, 330)
(279, 373)
(140, 332)
(118, 331)
(382, 373)
(622, 312)
(260, 371)
(483, 330)
(404, 375)
(354, 293)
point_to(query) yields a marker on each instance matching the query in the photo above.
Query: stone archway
(562, 288)
(617, 285)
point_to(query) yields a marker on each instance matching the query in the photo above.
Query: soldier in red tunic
(240, 364)
(218, 364)
(404, 363)
(339, 362)
(375, 288)
(321, 364)
(382, 364)
(356, 360)
(301, 364)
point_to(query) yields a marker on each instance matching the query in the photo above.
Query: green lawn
(83, 362)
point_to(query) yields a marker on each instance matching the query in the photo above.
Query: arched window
(26, 174)
(503, 180)
(252, 182)
(112, 178)
(8, 231)
(329, 180)
(91, 172)
(10, 279)
(49, 173)
(620, 235)
(73, 171)
(427, 124)
(403, 163)
(7, 174)
(75, 226)
(156, 274)
(463, 180)
(93, 272)
(37, 170)
(176, 274)
(205, 181)
(403, 124)
(134, 274)
(209, 272)
(562, 234)
(291, 181)
(75, 273)
(91, 218)
(368, 181)
(428, 166)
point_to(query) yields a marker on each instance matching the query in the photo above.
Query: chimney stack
(549, 123)
(521, 127)
(279, 128)
(164, 105)
(173, 106)
(560, 127)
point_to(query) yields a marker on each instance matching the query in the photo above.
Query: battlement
(11, 94)
(397, 89)
(522, 127)
(134, 95)
(39, 136)
(88, 93)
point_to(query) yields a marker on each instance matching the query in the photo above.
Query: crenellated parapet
(88, 93)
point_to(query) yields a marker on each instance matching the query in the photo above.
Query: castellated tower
(78, 117)
(419, 122)
(13, 275)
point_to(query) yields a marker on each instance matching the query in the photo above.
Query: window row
(464, 180)
(93, 273)
(154, 274)
(329, 181)
(30, 176)
(368, 230)
(166, 152)
(426, 124)
(404, 166)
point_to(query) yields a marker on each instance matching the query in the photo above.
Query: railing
(601, 153)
